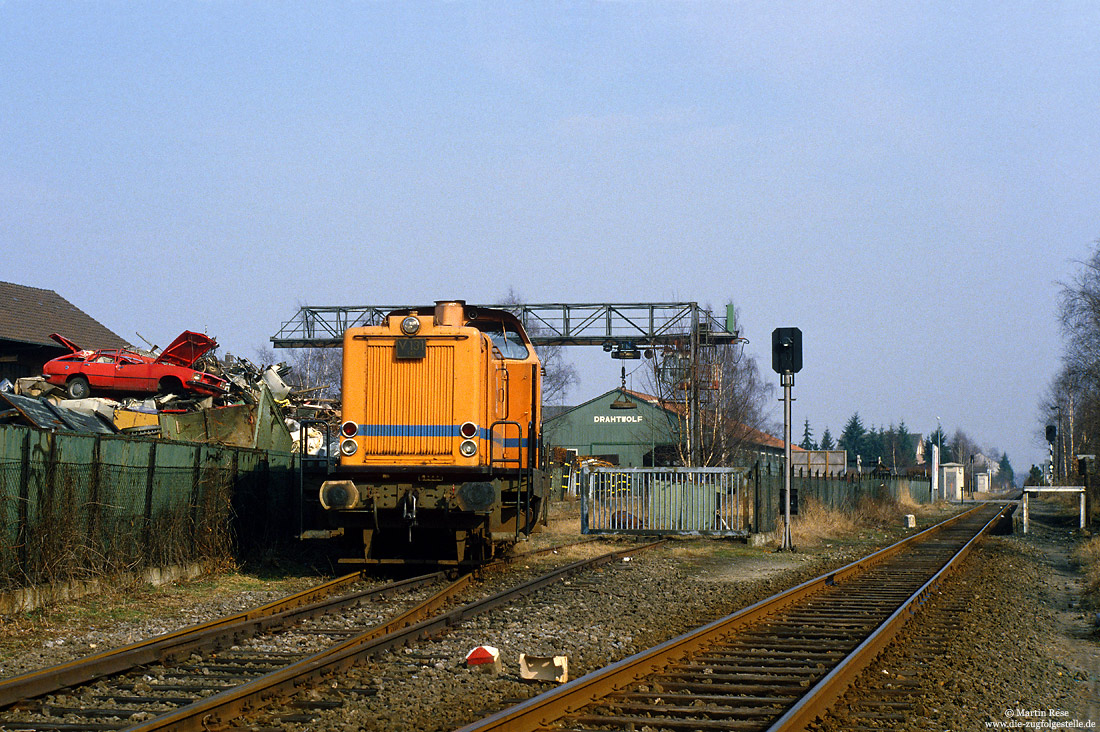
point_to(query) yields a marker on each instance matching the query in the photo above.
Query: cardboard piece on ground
(485, 659)
(544, 668)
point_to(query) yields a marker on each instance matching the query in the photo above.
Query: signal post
(786, 361)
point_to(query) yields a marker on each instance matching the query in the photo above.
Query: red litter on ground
(484, 658)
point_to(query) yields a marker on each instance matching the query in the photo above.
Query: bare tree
(1073, 412)
(559, 374)
(1072, 402)
(317, 371)
(963, 447)
(733, 398)
(314, 372)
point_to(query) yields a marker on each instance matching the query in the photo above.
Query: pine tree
(907, 450)
(807, 438)
(874, 446)
(853, 438)
(1035, 476)
(826, 440)
(938, 438)
(1005, 474)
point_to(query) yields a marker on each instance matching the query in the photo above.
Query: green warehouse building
(645, 434)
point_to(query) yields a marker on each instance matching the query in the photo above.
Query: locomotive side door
(505, 434)
(520, 409)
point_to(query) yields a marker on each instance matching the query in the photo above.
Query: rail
(117, 660)
(227, 706)
(751, 670)
(199, 714)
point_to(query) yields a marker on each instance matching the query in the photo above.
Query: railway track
(200, 677)
(777, 665)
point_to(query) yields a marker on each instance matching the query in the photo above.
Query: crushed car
(124, 370)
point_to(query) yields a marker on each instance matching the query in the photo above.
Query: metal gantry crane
(622, 329)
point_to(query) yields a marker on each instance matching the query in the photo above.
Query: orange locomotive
(439, 447)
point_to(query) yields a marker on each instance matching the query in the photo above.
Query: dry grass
(815, 523)
(880, 513)
(1087, 557)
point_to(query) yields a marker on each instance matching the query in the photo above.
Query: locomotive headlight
(468, 430)
(410, 325)
(349, 429)
(349, 447)
(468, 448)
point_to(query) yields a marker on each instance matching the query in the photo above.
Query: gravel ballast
(1022, 643)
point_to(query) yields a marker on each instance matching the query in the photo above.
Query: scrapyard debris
(105, 408)
(315, 440)
(246, 378)
(243, 385)
(260, 426)
(36, 386)
(43, 413)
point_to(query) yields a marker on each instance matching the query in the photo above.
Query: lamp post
(938, 457)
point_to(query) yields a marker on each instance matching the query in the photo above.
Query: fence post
(196, 481)
(150, 477)
(46, 505)
(757, 502)
(22, 529)
(1086, 480)
(233, 500)
(93, 498)
(582, 490)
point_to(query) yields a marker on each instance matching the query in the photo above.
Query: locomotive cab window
(505, 338)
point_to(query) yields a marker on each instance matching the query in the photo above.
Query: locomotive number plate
(410, 348)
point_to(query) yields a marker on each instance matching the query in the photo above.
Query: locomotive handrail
(492, 442)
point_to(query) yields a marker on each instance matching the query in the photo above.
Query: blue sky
(905, 182)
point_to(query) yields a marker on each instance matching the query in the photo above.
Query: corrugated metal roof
(30, 314)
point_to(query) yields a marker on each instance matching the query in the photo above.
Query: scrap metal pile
(229, 401)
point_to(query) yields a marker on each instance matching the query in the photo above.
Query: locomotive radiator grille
(409, 403)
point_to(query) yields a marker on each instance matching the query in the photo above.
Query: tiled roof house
(28, 315)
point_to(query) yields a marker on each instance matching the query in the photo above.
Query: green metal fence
(639, 501)
(840, 493)
(76, 505)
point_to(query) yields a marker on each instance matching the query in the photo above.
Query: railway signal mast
(786, 361)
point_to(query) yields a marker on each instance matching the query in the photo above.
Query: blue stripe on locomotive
(429, 430)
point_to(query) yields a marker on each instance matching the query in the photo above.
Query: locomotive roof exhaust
(450, 312)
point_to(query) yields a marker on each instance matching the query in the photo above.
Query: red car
(117, 369)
